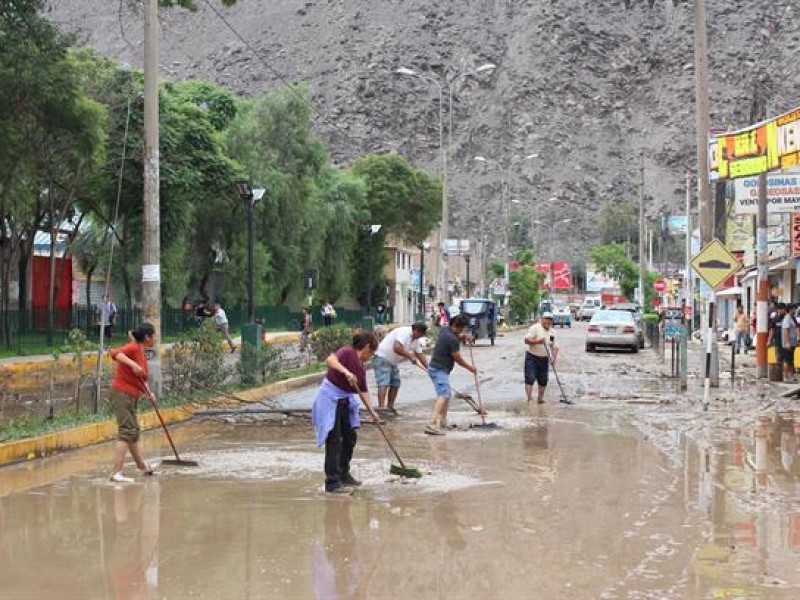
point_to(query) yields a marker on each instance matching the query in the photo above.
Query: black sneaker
(350, 480)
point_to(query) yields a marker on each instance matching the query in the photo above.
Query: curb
(103, 431)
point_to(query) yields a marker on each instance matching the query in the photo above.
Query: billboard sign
(760, 148)
(783, 194)
(596, 281)
(562, 275)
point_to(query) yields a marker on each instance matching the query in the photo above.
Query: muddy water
(590, 501)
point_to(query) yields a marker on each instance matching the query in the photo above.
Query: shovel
(177, 461)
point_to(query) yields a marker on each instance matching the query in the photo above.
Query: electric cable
(103, 314)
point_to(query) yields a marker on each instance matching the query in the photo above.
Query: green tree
(612, 260)
(525, 287)
(273, 141)
(405, 201)
(51, 134)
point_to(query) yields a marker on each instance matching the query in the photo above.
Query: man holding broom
(334, 414)
(446, 353)
(539, 355)
(402, 343)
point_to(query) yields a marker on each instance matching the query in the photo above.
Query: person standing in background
(328, 314)
(221, 321)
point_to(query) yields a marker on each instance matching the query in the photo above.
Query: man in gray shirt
(446, 353)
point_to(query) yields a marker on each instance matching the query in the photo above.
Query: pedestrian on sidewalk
(108, 316)
(446, 353)
(788, 343)
(334, 413)
(401, 344)
(442, 316)
(741, 325)
(305, 327)
(328, 313)
(542, 351)
(221, 322)
(127, 387)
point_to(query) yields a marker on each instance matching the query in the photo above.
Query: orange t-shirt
(125, 380)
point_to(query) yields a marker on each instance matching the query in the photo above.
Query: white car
(587, 309)
(612, 329)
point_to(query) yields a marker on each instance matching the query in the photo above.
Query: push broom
(177, 461)
(402, 470)
(483, 424)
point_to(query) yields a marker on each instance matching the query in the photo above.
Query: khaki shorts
(125, 411)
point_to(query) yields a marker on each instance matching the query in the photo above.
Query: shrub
(198, 357)
(326, 340)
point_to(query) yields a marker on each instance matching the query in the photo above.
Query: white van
(588, 308)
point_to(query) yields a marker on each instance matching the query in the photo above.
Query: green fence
(29, 332)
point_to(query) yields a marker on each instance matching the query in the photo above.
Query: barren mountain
(593, 88)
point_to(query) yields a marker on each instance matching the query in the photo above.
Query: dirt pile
(587, 86)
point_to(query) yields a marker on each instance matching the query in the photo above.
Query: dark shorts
(787, 355)
(124, 407)
(536, 369)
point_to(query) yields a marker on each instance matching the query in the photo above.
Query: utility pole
(762, 292)
(704, 200)
(151, 246)
(642, 265)
(689, 279)
(706, 206)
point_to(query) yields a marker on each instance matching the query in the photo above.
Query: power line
(280, 76)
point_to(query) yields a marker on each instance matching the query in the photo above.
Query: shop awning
(731, 291)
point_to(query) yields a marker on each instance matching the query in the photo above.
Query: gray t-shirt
(446, 345)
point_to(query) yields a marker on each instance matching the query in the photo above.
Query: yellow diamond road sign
(714, 263)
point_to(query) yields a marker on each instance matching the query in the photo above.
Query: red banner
(562, 275)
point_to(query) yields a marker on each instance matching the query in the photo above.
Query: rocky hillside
(588, 86)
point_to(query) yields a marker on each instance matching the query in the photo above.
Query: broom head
(409, 472)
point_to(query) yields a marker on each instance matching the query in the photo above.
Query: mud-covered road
(633, 492)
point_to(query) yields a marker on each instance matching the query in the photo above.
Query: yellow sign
(763, 147)
(714, 263)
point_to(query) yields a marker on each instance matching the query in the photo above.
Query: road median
(94, 433)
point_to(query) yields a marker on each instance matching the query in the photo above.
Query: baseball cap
(547, 315)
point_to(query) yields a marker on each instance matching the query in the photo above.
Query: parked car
(588, 308)
(612, 329)
(562, 315)
(635, 310)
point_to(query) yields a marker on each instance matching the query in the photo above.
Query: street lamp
(506, 206)
(371, 231)
(443, 228)
(251, 196)
(423, 248)
(466, 260)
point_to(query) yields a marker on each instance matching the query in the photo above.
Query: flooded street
(633, 492)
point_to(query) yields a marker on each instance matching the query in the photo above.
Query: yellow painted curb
(103, 431)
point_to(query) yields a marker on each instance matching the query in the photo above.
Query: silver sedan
(612, 328)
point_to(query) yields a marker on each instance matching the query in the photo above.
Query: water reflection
(539, 455)
(336, 563)
(755, 537)
(130, 535)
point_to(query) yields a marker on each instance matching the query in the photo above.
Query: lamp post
(371, 231)
(251, 196)
(506, 206)
(443, 228)
(466, 260)
(423, 248)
